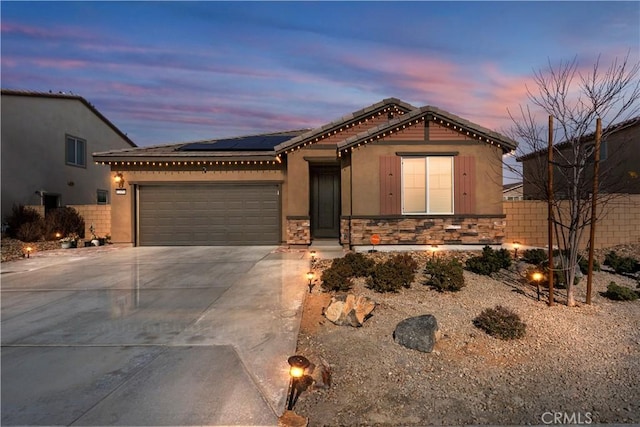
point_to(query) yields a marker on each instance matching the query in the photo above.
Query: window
(427, 185)
(103, 197)
(76, 151)
(603, 151)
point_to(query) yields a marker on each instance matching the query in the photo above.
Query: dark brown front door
(325, 201)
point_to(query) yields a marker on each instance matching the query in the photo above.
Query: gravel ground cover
(581, 364)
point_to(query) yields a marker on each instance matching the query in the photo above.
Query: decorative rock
(291, 419)
(418, 333)
(320, 372)
(349, 310)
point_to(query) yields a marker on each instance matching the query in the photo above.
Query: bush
(535, 256)
(621, 265)
(620, 293)
(584, 265)
(406, 266)
(500, 322)
(337, 277)
(359, 264)
(445, 274)
(21, 215)
(64, 220)
(490, 261)
(390, 276)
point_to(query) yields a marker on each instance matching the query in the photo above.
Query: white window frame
(77, 161)
(427, 186)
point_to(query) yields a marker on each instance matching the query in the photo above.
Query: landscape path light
(298, 365)
(28, 249)
(516, 246)
(537, 277)
(310, 276)
(433, 249)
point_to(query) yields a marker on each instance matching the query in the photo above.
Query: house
(512, 191)
(619, 163)
(411, 175)
(47, 141)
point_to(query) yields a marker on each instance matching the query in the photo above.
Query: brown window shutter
(390, 181)
(464, 184)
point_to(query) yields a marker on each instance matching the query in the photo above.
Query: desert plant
(444, 274)
(621, 265)
(620, 293)
(406, 266)
(21, 215)
(490, 261)
(64, 220)
(500, 322)
(535, 256)
(388, 276)
(337, 277)
(584, 265)
(359, 264)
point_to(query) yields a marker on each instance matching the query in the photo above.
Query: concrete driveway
(150, 336)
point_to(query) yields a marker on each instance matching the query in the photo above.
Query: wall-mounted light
(119, 179)
(297, 364)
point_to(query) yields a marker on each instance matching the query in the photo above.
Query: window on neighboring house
(603, 151)
(103, 197)
(427, 185)
(76, 153)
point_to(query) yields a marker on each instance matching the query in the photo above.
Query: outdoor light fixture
(119, 179)
(516, 245)
(28, 249)
(433, 249)
(310, 275)
(537, 277)
(297, 364)
(313, 255)
(58, 235)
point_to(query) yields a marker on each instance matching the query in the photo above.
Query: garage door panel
(190, 214)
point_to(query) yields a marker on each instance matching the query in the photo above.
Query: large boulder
(418, 333)
(349, 310)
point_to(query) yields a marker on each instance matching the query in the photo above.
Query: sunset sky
(180, 71)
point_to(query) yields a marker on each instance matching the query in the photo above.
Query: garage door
(208, 215)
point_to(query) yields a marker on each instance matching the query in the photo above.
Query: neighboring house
(47, 141)
(619, 163)
(411, 175)
(512, 191)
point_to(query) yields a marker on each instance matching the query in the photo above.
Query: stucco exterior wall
(34, 131)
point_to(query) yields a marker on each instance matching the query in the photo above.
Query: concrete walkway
(150, 336)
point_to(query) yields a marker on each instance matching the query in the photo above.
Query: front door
(325, 201)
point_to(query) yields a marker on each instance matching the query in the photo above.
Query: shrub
(490, 261)
(388, 276)
(445, 274)
(535, 256)
(64, 220)
(30, 231)
(21, 215)
(500, 322)
(406, 266)
(621, 265)
(337, 277)
(584, 265)
(359, 264)
(620, 293)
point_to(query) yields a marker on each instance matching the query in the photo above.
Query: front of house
(411, 175)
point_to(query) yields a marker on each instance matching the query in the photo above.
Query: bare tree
(575, 99)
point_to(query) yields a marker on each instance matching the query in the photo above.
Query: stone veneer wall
(298, 231)
(425, 231)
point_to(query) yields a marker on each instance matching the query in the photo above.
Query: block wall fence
(98, 215)
(526, 222)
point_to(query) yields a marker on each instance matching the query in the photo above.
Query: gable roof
(431, 113)
(62, 95)
(635, 121)
(344, 122)
(511, 186)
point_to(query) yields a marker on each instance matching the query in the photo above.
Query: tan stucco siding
(366, 179)
(123, 219)
(34, 131)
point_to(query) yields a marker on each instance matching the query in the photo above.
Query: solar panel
(249, 143)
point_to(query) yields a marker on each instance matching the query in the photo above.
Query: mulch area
(13, 249)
